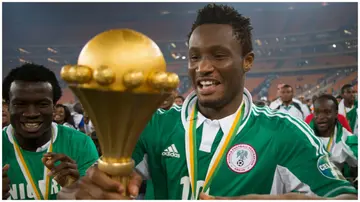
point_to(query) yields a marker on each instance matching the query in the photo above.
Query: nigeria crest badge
(241, 158)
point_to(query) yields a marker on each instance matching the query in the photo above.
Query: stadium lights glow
(164, 12)
(334, 45)
(175, 56)
(186, 44)
(347, 32)
(23, 61)
(291, 8)
(23, 50)
(51, 50)
(183, 57)
(173, 45)
(52, 60)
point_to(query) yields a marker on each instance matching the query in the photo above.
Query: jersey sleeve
(144, 146)
(88, 155)
(304, 165)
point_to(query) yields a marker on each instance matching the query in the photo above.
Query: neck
(287, 103)
(348, 103)
(221, 112)
(328, 132)
(33, 143)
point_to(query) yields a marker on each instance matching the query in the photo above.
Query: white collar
(10, 129)
(225, 123)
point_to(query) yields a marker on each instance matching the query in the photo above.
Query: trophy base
(118, 169)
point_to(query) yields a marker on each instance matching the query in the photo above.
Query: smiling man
(39, 156)
(348, 106)
(342, 145)
(219, 143)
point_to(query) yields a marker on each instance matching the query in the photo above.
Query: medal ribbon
(27, 174)
(218, 157)
(331, 141)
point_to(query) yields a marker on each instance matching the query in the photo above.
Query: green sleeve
(304, 165)
(143, 145)
(352, 142)
(88, 155)
(147, 156)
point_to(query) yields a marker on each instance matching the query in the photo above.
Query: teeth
(207, 83)
(31, 125)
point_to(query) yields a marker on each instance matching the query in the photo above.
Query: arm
(308, 168)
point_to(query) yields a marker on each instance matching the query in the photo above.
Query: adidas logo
(171, 152)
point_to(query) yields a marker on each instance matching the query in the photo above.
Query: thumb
(204, 196)
(5, 168)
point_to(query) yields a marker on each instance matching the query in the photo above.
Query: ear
(248, 61)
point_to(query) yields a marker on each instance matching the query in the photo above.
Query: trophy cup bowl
(121, 80)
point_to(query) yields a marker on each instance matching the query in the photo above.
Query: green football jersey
(70, 142)
(272, 153)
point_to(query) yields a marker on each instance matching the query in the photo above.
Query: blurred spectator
(179, 100)
(63, 116)
(5, 114)
(287, 105)
(338, 141)
(339, 98)
(88, 126)
(348, 107)
(78, 117)
(168, 103)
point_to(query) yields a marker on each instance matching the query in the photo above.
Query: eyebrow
(195, 48)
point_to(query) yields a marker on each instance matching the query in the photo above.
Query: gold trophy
(121, 80)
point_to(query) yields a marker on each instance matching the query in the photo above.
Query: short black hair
(346, 86)
(223, 14)
(181, 97)
(328, 97)
(31, 73)
(339, 96)
(78, 108)
(287, 86)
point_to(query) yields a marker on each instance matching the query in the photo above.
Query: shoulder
(285, 126)
(290, 133)
(275, 117)
(168, 115)
(5, 138)
(71, 133)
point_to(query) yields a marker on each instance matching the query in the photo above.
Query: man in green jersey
(219, 143)
(32, 139)
(348, 107)
(342, 145)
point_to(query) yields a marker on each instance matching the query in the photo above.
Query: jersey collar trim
(225, 122)
(10, 129)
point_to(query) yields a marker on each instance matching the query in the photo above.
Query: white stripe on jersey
(320, 149)
(174, 148)
(310, 131)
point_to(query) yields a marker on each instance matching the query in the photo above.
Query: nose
(204, 66)
(31, 112)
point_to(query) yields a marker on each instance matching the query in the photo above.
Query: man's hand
(97, 185)
(65, 172)
(5, 182)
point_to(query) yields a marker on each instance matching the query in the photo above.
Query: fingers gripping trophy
(120, 79)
